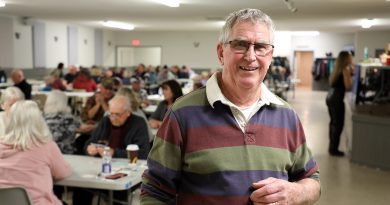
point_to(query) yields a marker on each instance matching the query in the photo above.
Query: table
(86, 174)
(79, 94)
(150, 109)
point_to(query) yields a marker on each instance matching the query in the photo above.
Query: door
(303, 66)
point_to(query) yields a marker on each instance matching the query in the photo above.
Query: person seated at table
(54, 82)
(97, 104)
(119, 129)
(71, 75)
(140, 93)
(135, 107)
(171, 90)
(29, 157)
(8, 97)
(17, 77)
(62, 124)
(84, 81)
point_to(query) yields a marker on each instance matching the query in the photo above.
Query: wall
(6, 42)
(56, 44)
(108, 45)
(86, 46)
(372, 40)
(23, 53)
(323, 43)
(195, 49)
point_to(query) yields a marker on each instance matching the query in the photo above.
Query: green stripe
(303, 155)
(195, 98)
(239, 158)
(147, 200)
(166, 153)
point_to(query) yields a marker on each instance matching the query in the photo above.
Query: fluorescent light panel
(367, 23)
(117, 24)
(170, 3)
(2, 3)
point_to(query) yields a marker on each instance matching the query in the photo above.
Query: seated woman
(171, 91)
(28, 155)
(62, 124)
(8, 97)
(84, 81)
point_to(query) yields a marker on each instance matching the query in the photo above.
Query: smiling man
(233, 142)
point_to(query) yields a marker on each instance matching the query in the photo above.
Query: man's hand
(274, 191)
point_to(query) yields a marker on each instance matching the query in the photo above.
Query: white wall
(56, 51)
(178, 48)
(86, 46)
(108, 48)
(23, 52)
(372, 40)
(323, 43)
(6, 42)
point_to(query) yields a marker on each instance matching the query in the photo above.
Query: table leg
(110, 197)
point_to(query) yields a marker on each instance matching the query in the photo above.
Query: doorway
(131, 56)
(303, 68)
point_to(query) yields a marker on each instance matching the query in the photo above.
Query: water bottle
(106, 162)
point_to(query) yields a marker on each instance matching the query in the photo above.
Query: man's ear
(220, 53)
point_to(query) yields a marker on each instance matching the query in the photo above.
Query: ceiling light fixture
(291, 6)
(367, 23)
(170, 3)
(2, 3)
(117, 24)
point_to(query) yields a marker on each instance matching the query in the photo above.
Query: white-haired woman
(62, 124)
(28, 155)
(8, 97)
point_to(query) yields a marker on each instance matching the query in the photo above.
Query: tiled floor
(343, 182)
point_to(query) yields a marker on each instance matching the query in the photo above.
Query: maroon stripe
(191, 199)
(227, 136)
(170, 130)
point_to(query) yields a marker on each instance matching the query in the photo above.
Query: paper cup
(132, 153)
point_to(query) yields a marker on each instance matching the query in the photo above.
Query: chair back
(14, 196)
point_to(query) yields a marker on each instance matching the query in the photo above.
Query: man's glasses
(241, 46)
(116, 115)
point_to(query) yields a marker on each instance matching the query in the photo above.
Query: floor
(343, 182)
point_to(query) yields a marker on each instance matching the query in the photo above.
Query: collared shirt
(242, 115)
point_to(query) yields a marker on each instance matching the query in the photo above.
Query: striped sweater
(201, 156)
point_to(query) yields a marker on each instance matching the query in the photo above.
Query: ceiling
(147, 15)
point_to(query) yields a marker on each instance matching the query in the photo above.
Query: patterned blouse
(63, 128)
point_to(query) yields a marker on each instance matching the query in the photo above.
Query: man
(140, 93)
(233, 142)
(119, 129)
(71, 75)
(17, 77)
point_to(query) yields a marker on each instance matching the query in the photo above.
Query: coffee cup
(132, 153)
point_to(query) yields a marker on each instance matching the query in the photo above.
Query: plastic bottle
(106, 161)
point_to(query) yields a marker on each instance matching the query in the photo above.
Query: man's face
(15, 78)
(118, 115)
(245, 70)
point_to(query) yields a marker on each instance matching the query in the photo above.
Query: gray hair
(11, 94)
(253, 15)
(121, 99)
(26, 127)
(124, 91)
(56, 102)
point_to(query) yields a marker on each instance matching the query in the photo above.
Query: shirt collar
(214, 94)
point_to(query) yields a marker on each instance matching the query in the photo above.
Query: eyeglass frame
(248, 44)
(116, 115)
